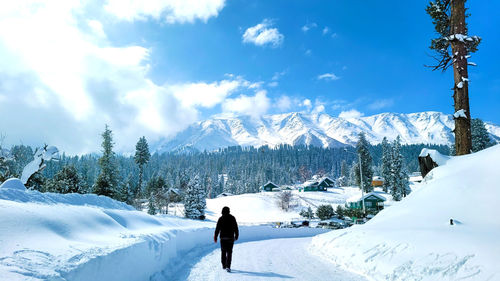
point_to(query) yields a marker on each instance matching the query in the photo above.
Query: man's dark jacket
(227, 227)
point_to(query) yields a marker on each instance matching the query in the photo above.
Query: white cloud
(306, 103)
(204, 94)
(326, 30)
(380, 104)
(272, 84)
(328, 77)
(254, 106)
(353, 113)
(334, 35)
(308, 52)
(61, 79)
(97, 28)
(278, 75)
(284, 103)
(308, 26)
(172, 11)
(263, 34)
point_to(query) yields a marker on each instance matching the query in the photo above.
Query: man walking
(228, 229)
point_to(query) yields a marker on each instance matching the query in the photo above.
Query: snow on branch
(47, 153)
(460, 113)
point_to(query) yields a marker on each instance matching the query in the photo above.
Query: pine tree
(386, 163)
(398, 176)
(366, 163)
(325, 212)
(107, 182)
(151, 205)
(344, 174)
(195, 200)
(141, 158)
(4, 165)
(67, 180)
(480, 136)
(453, 48)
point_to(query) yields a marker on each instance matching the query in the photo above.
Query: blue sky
(152, 68)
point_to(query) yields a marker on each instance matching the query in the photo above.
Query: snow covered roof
(374, 193)
(378, 178)
(224, 194)
(270, 183)
(310, 183)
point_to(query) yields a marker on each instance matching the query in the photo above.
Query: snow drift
(413, 239)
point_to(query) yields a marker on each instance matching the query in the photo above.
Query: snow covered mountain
(313, 129)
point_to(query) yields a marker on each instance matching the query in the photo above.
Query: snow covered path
(272, 259)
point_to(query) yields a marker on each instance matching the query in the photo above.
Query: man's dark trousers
(226, 247)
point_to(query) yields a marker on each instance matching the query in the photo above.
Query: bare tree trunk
(463, 143)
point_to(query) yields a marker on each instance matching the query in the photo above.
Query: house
(312, 185)
(224, 194)
(270, 186)
(373, 201)
(377, 181)
(326, 182)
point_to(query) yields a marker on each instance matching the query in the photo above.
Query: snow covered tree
(453, 47)
(325, 212)
(353, 173)
(67, 180)
(151, 205)
(107, 181)
(344, 174)
(4, 165)
(307, 213)
(398, 180)
(366, 163)
(386, 163)
(284, 199)
(480, 136)
(141, 158)
(195, 200)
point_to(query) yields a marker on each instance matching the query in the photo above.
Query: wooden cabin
(377, 181)
(270, 186)
(373, 201)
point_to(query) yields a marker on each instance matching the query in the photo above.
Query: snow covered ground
(46, 236)
(413, 239)
(255, 208)
(272, 259)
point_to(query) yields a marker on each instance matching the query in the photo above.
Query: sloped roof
(270, 183)
(373, 194)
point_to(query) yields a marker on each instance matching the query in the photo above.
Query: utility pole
(360, 180)
(361, 183)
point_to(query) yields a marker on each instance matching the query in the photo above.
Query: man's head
(225, 211)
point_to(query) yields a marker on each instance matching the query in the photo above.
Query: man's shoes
(224, 267)
(228, 269)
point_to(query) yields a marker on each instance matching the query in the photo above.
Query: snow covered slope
(413, 239)
(255, 208)
(313, 129)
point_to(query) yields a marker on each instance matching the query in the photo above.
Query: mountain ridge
(297, 128)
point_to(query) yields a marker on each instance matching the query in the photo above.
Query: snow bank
(18, 194)
(413, 239)
(13, 183)
(46, 236)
